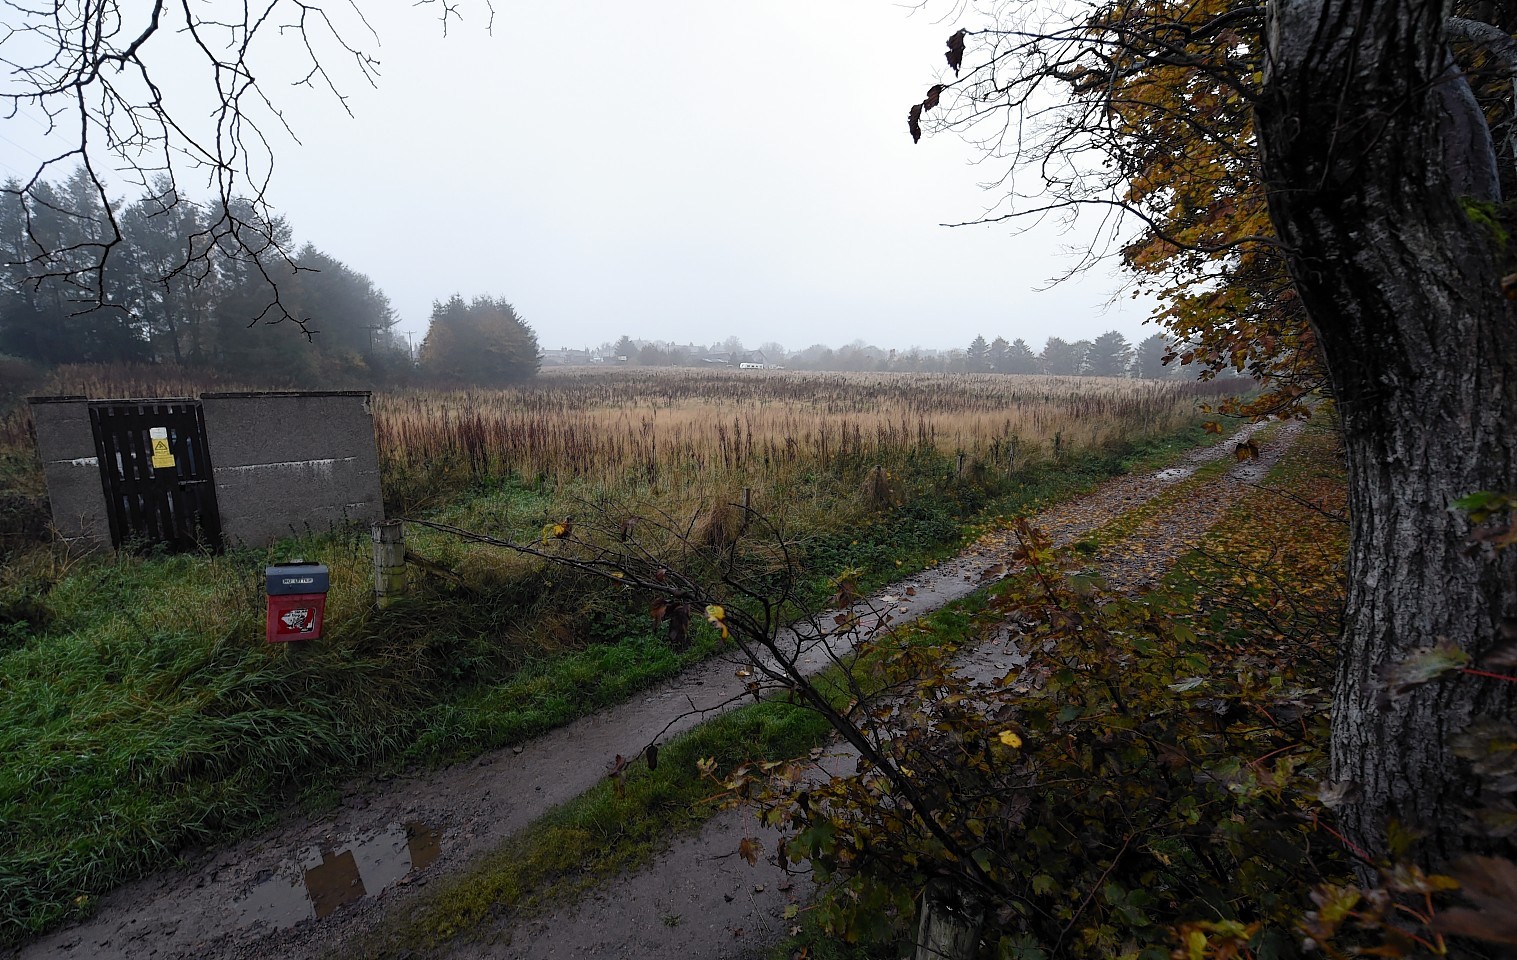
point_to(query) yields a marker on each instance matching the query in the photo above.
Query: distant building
(747, 360)
(565, 357)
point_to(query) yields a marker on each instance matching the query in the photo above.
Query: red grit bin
(297, 594)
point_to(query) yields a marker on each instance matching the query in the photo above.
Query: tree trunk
(1368, 169)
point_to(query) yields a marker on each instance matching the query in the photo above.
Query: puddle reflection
(326, 879)
(333, 882)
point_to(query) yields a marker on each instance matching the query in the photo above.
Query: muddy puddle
(324, 879)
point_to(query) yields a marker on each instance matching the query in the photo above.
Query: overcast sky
(669, 169)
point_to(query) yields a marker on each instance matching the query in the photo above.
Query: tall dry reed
(708, 429)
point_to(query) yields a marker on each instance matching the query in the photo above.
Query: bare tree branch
(91, 74)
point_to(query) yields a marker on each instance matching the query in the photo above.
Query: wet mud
(315, 886)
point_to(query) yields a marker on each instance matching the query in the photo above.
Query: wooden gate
(156, 473)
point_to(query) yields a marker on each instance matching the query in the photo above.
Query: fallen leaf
(717, 617)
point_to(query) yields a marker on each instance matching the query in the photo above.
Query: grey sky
(673, 170)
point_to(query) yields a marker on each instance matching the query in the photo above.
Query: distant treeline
(1109, 355)
(214, 288)
(179, 287)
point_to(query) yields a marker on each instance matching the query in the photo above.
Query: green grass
(141, 713)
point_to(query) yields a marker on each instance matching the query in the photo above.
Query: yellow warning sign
(162, 458)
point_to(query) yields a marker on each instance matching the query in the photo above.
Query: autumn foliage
(1152, 765)
(1207, 249)
(1163, 90)
(1151, 783)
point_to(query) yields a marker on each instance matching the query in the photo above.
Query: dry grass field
(691, 434)
(696, 431)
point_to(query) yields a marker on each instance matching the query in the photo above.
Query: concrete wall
(66, 444)
(291, 463)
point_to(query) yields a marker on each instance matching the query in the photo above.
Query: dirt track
(304, 889)
(725, 908)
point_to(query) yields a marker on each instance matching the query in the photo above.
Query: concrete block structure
(66, 445)
(282, 464)
(292, 463)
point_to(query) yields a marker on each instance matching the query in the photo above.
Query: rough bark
(1403, 289)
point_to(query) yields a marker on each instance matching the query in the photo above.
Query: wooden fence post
(950, 927)
(389, 561)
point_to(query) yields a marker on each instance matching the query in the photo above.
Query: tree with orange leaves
(1317, 187)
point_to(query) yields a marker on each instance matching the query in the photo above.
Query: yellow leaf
(717, 616)
(1010, 738)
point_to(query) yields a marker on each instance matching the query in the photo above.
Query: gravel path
(306, 888)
